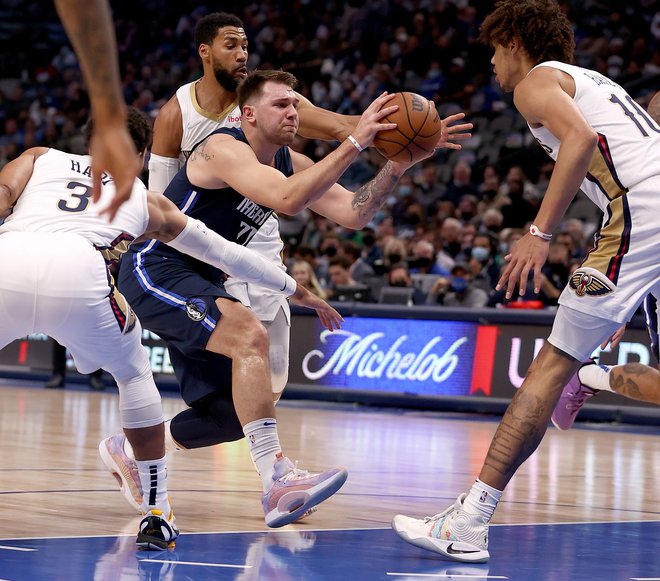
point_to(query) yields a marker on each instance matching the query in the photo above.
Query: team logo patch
(196, 309)
(589, 282)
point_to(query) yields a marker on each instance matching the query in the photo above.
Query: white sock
(595, 376)
(482, 500)
(171, 445)
(153, 476)
(265, 447)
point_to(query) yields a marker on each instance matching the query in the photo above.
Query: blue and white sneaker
(454, 533)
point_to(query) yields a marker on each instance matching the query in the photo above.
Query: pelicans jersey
(628, 149)
(57, 198)
(623, 180)
(197, 125)
(54, 279)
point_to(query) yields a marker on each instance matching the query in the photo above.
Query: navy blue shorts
(174, 300)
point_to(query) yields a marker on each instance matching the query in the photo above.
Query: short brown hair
(251, 86)
(543, 29)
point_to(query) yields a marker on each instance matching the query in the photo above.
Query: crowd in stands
(442, 236)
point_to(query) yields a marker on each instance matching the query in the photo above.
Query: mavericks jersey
(628, 149)
(57, 198)
(197, 125)
(224, 210)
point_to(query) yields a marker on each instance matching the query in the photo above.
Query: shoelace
(294, 474)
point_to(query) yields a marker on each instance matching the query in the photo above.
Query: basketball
(417, 132)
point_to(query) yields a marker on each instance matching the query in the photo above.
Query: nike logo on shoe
(452, 551)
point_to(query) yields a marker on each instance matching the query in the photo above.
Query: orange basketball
(417, 132)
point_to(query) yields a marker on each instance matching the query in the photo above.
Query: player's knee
(252, 337)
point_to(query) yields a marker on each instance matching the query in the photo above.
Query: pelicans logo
(585, 282)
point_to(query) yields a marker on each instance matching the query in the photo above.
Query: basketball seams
(406, 141)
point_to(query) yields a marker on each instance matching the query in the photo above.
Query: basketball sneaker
(571, 401)
(122, 468)
(295, 492)
(157, 532)
(453, 533)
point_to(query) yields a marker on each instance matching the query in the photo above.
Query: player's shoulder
(170, 113)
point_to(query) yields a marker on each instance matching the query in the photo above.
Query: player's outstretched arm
(541, 100)
(356, 209)
(169, 225)
(222, 160)
(88, 24)
(318, 123)
(15, 176)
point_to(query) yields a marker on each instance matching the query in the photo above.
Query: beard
(225, 79)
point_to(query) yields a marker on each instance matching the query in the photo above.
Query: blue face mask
(459, 284)
(405, 190)
(480, 253)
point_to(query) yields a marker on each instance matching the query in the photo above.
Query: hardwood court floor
(52, 483)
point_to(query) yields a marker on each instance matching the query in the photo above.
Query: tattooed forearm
(636, 381)
(88, 24)
(371, 196)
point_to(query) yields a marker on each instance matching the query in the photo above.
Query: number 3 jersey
(226, 211)
(628, 149)
(58, 199)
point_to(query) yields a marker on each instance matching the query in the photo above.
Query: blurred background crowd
(443, 234)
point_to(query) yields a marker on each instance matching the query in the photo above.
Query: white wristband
(534, 231)
(355, 142)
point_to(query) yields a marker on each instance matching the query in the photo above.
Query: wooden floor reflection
(52, 482)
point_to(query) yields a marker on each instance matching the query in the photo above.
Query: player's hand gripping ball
(418, 129)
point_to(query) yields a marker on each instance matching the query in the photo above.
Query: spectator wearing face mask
(484, 268)
(423, 260)
(457, 291)
(399, 276)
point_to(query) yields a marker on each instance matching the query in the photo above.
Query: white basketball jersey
(57, 198)
(198, 124)
(628, 149)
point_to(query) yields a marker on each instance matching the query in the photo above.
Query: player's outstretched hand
(528, 254)
(113, 152)
(615, 339)
(450, 133)
(369, 124)
(329, 317)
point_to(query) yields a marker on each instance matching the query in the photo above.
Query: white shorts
(606, 290)
(625, 266)
(58, 284)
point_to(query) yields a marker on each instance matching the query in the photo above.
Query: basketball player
(602, 142)
(235, 178)
(196, 110)
(631, 380)
(54, 252)
(88, 24)
(199, 108)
